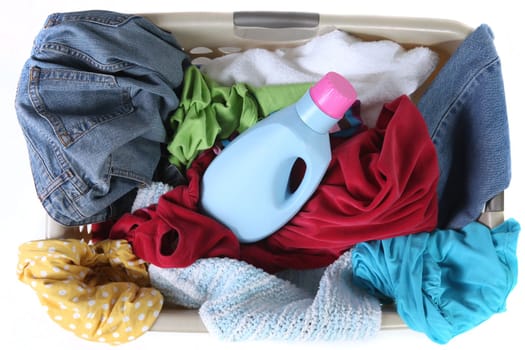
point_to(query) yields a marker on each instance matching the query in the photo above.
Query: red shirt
(381, 183)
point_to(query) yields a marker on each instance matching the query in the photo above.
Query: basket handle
(275, 26)
(268, 19)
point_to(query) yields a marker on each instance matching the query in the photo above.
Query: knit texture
(149, 195)
(238, 301)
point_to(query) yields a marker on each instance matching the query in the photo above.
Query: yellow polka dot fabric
(98, 291)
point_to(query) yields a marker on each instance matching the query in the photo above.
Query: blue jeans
(466, 114)
(93, 101)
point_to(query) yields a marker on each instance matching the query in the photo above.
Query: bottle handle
(306, 188)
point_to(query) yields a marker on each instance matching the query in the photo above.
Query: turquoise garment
(445, 282)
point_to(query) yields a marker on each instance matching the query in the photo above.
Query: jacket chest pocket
(76, 102)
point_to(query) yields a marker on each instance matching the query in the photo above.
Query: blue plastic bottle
(246, 187)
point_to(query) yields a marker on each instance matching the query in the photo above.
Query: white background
(26, 326)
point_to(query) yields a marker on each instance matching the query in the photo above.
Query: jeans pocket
(75, 102)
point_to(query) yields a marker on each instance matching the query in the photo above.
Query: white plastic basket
(207, 35)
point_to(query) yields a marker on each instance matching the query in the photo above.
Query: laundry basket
(208, 35)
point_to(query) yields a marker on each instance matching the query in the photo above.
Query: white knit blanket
(380, 71)
(237, 302)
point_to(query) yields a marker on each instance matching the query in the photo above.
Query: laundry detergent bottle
(247, 187)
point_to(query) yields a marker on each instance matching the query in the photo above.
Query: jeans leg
(466, 115)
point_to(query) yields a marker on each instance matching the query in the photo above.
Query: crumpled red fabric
(172, 233)
(381, 183)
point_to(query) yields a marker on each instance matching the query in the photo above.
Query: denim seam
(50, 179)
(38, 105)
(72, 201)
(75, 53)
(124, 173)
(115, 20)
(459, 100)
(464, 93)
(65, 75)
(53, 181)
(68, 173)
(56, 184)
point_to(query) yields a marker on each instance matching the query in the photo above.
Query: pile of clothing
(120, 127)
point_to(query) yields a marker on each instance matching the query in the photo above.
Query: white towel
(380, 70)
(238, 301)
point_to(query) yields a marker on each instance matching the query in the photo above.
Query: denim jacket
(92, 101)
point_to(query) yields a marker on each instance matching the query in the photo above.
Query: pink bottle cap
(333, 94)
